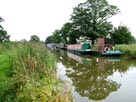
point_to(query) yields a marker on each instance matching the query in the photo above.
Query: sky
(24, 18)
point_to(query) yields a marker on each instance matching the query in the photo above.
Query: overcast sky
(24, 18)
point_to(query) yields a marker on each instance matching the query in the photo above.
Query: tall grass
(34, 74)
(6, 80)
(127, 50)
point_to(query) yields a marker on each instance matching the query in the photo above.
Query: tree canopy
(48, 40)
(69, 34)
(3, 33)
(122, 35)
(56, 36)
(91, 17)
(34, 38)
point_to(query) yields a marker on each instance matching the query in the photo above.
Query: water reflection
(79, 59)
(91, 81)
(90, 75)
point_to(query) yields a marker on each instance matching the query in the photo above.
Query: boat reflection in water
(91, 76)
(79, 59)
(92, 83)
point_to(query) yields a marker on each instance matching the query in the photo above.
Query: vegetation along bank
(128, 51)
(28, 71)
(28, 74)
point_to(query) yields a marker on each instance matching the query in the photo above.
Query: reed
(7, 88)
(34, 74)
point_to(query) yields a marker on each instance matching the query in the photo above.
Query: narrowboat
(82, 47)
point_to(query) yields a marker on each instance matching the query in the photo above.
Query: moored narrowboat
(83, 46)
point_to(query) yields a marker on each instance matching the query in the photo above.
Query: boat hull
(80, 48)
(112, 53)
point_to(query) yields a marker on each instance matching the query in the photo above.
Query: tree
(3, 36)
(56, 38)
(69, 34)
(23, 40)
(34, 38)
(122, 35)
(48, 40)
(3, 33)
(65, 32)
(90, 18)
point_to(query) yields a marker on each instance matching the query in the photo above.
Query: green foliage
(127, 50)
(56, 37)
(47, 90)
(90, 18)
(69, 34)
(34, 38)
(34, 74)
(122, 35)
(7, 87)
(66, 32)
(48, 40)
(4, 37)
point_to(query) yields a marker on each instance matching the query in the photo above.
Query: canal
(98, 79)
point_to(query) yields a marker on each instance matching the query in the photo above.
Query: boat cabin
(106, 47)
(105, 44)
(83, 45)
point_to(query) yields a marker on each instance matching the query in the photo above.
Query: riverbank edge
(32, 76)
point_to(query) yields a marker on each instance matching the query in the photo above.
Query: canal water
(98, 79)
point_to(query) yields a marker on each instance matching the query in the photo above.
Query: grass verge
(128, 51)
(30, 73)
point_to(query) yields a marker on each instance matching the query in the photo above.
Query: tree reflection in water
(90, 79)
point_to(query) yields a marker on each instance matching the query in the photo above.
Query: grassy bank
(28, 74)
(128, 51)
(6, 80)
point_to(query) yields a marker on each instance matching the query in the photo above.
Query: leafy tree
(122, 35)
(35, 38)
(90, 18)
(48, 40)
(4, 37)
(56, 38)
(68, 31)
(3, 33)
(65, 32)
